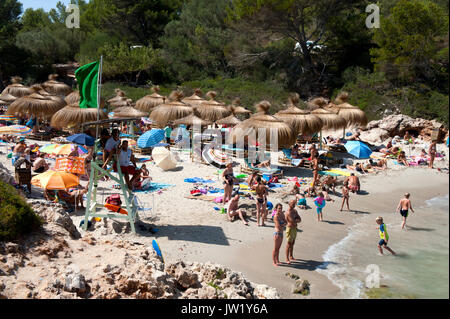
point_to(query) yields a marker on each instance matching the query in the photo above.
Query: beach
(192, 230)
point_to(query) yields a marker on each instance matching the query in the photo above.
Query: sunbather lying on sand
(358, 167)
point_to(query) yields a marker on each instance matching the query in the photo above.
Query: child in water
(320, 204)
(383, 235)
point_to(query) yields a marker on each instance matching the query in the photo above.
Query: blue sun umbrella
(358, 149)
(82, 139)
(150, 138)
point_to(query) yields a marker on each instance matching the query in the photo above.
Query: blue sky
(46, 4)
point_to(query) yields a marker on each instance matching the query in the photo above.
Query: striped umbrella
(62, 149)
(55, 180)
(215, 157)
(150, 138)
(4, 117)
(15, 130)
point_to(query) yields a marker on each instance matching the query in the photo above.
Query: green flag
(87, 78)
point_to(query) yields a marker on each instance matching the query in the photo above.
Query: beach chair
(248, 168)
(285, 158)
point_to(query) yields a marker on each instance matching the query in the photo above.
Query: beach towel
(198, 180)
(334, 172)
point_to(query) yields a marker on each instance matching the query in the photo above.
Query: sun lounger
(248, 168)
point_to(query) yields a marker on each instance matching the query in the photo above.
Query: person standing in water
(403, 208)
(383, 235)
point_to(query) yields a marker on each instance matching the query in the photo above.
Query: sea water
(421, 267)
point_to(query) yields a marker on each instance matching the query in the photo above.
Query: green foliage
(409, 41)
(16, 216)
(35, 19)
(195, 44)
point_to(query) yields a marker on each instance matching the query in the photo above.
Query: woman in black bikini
(228, 181)
(261, 200)
(280, 223)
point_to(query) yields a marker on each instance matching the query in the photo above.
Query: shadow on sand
(193, 233)
(310, 265)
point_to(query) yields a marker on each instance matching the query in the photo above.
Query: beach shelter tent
(358, 149)
(263, 122)
(164, 158)
(195, 99)
(301, 121)
(150, 138)
(55, 87)
(148, 102)
(16, 88)
(171, 111)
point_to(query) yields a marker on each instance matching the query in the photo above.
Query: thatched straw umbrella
(73, 116)
(39, 104)
(16, 88)
(148, 102)
(195, 99)
(330, 120)
(119, 100)
(55, 87)
(262, 120)
(231, 120)
(301, 121)
(171, 111)
(7, 99)
(212, 110)
(128, 111)
(316, 103)
(192, 120)
(74, 98)
(352, 114)
(238, 109)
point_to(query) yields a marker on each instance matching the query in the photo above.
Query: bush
(16, 216)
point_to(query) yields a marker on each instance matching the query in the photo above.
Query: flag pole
(99, 89)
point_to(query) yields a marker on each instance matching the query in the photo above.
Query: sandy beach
(191, 230)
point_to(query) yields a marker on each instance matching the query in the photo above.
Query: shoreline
(191, 230)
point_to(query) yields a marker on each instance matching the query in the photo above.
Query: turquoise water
(421, 267)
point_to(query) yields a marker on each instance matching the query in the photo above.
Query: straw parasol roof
(40, 104)
(301, 121)
(74, 98)
(195, 99)
(73, 115)
(119, 100)
(262, 120)
(231, 120)
(128, 111)
(6, 99)
(330, 120)
(212, 110)
(238, 109)
(192, 120)
(16, 88)
(316, 103)
(171, 111)
(148, 102)
(55, 87)
(352, 114)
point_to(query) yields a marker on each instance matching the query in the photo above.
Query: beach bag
(114, 199)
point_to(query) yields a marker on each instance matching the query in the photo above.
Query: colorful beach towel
(198, 180)
(153, 187)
